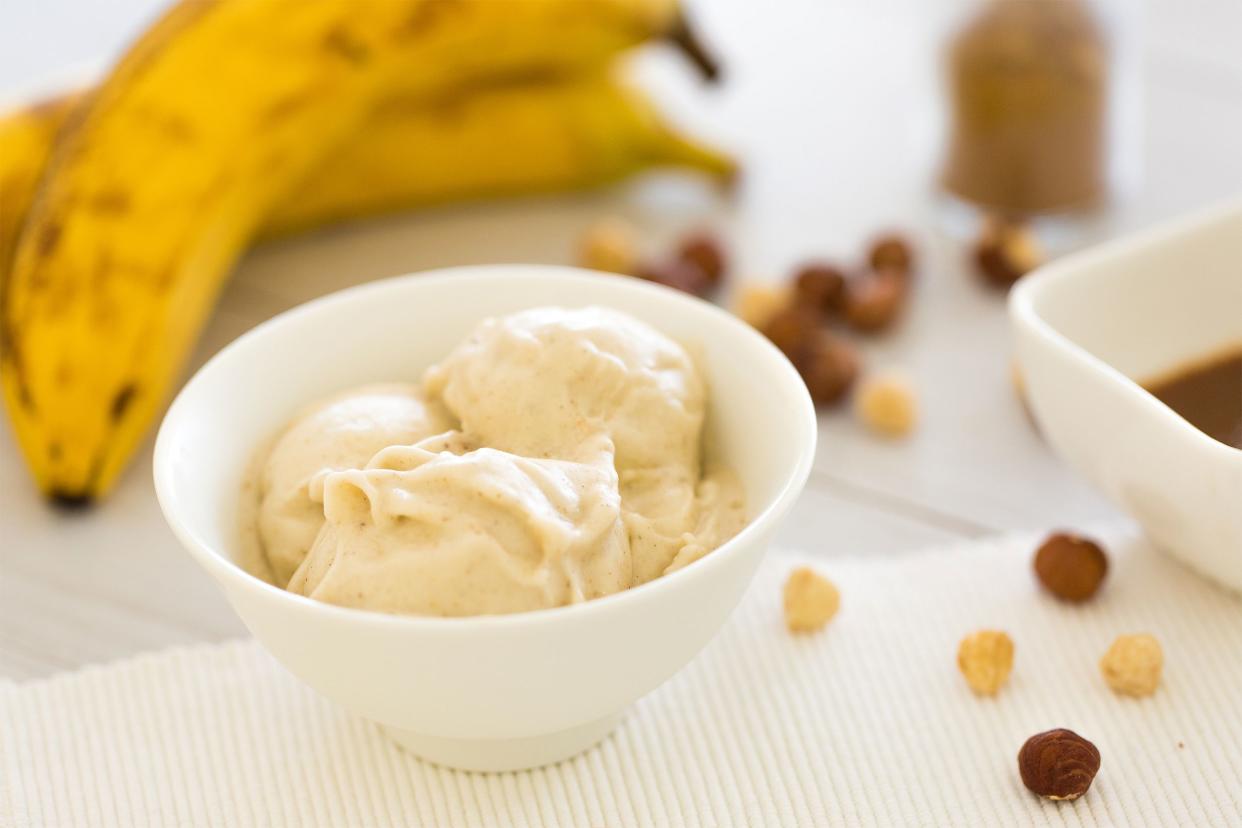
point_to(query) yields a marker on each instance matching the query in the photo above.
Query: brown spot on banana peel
(286, 106)
(49, 235)
(339, 41)
(110, 202)
(122, 401)
(429, 15)
(10, 359)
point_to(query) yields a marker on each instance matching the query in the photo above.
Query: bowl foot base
(489, 755)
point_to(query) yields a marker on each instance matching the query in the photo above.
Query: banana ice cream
(553, 457)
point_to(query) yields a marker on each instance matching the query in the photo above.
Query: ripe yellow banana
(493, 140)
(163, 178)
(498, 140)
(27, 136)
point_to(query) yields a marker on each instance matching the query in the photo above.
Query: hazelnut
(891, 252)
(609, 245)
(790, 329)
(886, 405)
(829, 366)
(820, 286)
(1133, 664)
(1070, 567)
(985, 659)
(677, 274)
(758, 304)
(810, 600)
(1058, 764)
(1006, 251)
(704, 252)
(874, 300)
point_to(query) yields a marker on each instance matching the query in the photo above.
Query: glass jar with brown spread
(1032, 119)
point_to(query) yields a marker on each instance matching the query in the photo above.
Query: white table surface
(831, 106)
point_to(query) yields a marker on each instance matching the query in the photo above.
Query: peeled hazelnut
(758, 304)
(704, 252)
(986, 659)
(1133, 664)
(1058, 764)
(1071, 567)
(675, 273)
(829, 366)
(609, 245)
(891, 252)
(820, 286)
(810, 601)
(791, 329)
(875, 300)
(886, 405)
(1006, 251)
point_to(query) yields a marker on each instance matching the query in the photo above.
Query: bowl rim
(223, 569)
(1026, 294)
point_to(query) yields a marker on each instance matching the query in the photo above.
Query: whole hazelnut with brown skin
(1071, 567)
(675, 273)
(820, 286)
(829, 366)
(875, 300)
(790, 329)
(705, 252)
(1058, 764)
(891, 252)
(1006, 251)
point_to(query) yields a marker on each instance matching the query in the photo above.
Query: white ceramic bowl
(1090, 327)
(490, 692)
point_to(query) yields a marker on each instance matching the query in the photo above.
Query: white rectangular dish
(1091, 327)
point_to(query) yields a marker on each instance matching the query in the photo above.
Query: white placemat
(867, 723)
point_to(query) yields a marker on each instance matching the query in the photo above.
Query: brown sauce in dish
(1208, 394)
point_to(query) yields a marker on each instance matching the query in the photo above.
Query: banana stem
(687, 40)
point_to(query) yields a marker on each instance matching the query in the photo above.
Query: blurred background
(841, 117)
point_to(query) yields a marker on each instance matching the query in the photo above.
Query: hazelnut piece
(875, 300)
(704, 251)
(891, 252)
(811, 600)
(829, 366)
(609, 245)
(1071, 567)
(1133, 664)
(986, 659)
(1058, 764)
(886, 405)
(1006, 251)
(820, 286)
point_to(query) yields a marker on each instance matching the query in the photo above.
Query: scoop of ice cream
(437, 533)
(543, 382)
(342, 432)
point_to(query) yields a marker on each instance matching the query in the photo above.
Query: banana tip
(69, 501)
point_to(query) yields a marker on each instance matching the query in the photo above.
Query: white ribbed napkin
(867, 723)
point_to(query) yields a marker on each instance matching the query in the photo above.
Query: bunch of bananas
(124, 207)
